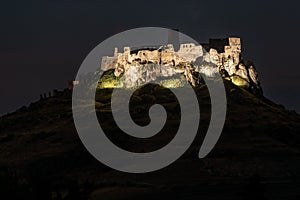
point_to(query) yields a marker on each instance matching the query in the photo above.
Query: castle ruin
(225, 54)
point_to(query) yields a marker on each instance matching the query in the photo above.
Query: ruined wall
(229, 55)
(190, 51)
(106, 63)
(224, 53)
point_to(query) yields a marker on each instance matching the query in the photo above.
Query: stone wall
(225, 54)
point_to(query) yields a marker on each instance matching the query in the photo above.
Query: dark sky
(43, 43)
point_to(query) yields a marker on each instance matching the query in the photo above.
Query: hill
(257, 156)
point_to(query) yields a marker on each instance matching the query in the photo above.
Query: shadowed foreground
(257, 156)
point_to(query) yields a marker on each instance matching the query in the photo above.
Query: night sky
(43, 43)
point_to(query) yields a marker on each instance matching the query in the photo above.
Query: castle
(223, 53)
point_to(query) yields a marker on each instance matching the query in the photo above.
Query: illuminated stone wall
(225, 54)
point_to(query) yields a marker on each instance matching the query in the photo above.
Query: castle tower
(235, 48)
(235, 44)
(173, 38)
